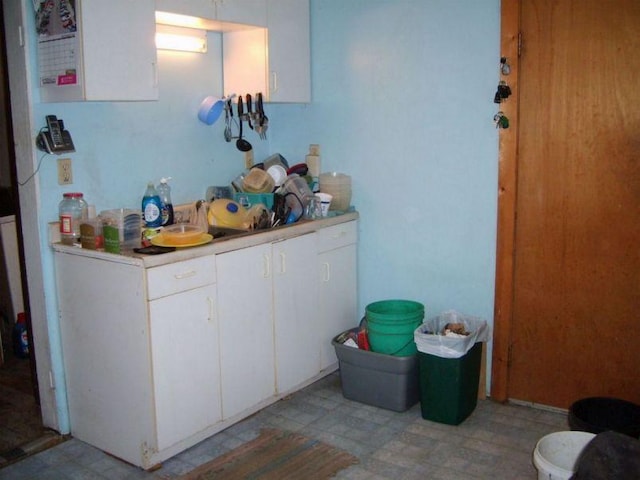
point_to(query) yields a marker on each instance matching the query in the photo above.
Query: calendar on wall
(58, 44)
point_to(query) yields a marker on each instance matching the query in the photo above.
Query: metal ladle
(241, 143)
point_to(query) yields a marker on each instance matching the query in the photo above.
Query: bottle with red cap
(20, 337)
(72, 211)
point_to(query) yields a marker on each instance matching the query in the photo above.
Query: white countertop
(216, 246)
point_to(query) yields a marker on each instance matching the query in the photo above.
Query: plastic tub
(258, 181)
(227, 213)
(599, 414)
(394, 339)
(248, 200)
(556, 454)
(375, 379)
(393, 311)
(390, 326)
(182, 233)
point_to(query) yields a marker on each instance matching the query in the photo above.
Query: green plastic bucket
(391, 324)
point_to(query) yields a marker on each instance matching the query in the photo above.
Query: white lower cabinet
(268, 309)
(337, 270)
(295, 309)
(186, 365)
(158, 358)
(246, 328)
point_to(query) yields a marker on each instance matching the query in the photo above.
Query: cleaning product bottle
(151, 207)
(20, 338)
(166, 207)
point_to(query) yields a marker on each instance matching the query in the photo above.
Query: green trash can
(449, 355)
(449, 386)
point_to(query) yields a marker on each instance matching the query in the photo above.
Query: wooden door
(567, 326)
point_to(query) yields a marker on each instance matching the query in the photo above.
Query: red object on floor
(363, 340)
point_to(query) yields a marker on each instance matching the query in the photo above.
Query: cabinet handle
(181, 276)
(154, 73)
(327, 271)
(341, 234)
(266, 271)
(211, 311)
(283, 263)
(274, 81)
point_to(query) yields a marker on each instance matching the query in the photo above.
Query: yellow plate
(160, 241)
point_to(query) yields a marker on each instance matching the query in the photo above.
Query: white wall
(402, 101)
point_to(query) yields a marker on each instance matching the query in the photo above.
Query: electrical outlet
(248, 159)
(65, 175)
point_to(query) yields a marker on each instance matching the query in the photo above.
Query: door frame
(510, 44)
(18, 44)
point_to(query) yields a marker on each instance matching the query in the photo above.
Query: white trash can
(556, 454)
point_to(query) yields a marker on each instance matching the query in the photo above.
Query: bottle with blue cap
(151, 207)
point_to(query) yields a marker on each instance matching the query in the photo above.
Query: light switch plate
(65, 174)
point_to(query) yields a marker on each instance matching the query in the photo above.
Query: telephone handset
(54, 138)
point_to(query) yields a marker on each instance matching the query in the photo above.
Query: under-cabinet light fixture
(181, 39)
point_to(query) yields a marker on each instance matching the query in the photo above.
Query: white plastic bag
(429, 338)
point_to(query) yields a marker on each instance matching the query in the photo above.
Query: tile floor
(495, 442)
(20, 419)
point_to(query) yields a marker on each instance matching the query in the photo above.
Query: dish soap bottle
(151, 207)
(166, 207)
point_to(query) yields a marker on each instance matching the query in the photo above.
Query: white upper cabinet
(289, 51)
(275, 61)
(193, 8)
(245, 12)
(113, 54)
(249, 12)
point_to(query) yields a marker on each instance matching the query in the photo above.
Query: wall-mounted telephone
(54, 138)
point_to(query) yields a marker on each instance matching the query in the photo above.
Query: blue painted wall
(402, 101)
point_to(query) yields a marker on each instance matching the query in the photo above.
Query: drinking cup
(313, 210)
(325, 202)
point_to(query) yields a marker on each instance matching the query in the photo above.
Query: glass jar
(72, 210)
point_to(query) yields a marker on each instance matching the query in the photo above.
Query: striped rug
(276, 455)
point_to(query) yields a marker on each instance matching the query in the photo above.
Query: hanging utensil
(241, 143)
(259, 114)
(249, 111)
(262, 120)
(228, 115)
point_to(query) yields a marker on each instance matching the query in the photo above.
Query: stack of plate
(338, 185)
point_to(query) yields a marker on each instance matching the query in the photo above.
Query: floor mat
(276, 455)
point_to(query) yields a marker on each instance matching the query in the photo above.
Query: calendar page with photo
(58, 43)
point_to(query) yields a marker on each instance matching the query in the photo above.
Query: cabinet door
(275, 61)
(249, 12)
(185, 358)
(289, 51)
(246, 328)
(338, 303)
(193, 8)
(296, 310)
(118, 49)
